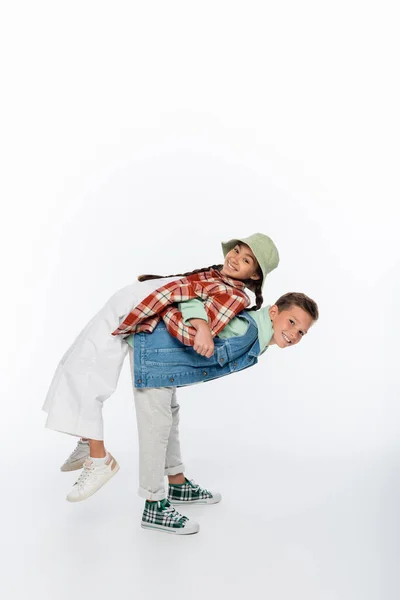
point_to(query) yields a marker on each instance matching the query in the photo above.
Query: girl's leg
(86, 448)
(97, 449)
(98, 468)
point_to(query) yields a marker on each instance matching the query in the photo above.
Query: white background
(135, 137)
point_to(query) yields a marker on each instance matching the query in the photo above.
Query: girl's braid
(147, 277)
(255, 287)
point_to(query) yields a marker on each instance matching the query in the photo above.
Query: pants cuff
(143, 493)
(174, 470)
(93, 430)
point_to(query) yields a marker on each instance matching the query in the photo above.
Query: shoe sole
(73, 466)
(176, 531)
(80, 499)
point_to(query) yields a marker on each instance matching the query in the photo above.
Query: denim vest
(160, 360)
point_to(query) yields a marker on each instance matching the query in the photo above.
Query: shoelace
(170, 510)
(197, 487)
(88, 468)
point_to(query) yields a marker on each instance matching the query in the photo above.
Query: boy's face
(290, 325)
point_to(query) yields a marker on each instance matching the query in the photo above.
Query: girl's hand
(203, 341)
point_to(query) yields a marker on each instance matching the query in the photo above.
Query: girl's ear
(255, 277)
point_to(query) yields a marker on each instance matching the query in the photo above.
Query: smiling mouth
(285, 337)
(230, 266)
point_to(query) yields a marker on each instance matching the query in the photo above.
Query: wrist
(199, 324)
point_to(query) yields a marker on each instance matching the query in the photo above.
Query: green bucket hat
(263, 249)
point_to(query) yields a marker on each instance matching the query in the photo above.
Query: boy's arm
(194, 314)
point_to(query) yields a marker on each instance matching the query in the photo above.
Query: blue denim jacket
(160, 360)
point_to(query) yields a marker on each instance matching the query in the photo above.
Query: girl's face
(240, 263)
(290, 325)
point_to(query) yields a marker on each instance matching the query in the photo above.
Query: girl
(89, 371)
(221, 288)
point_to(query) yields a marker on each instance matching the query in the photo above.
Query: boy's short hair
(300, 300)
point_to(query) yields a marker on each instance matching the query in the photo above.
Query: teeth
(285, 337)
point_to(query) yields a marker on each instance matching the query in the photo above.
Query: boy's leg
(171, 455)
(174, 467)
(156, 418)
(154, 422)
(180, 489)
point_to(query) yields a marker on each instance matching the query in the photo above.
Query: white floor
(287, 527)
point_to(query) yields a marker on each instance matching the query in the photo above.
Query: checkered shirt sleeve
(223, 298)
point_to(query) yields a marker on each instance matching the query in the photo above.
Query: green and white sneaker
(190, 493)
(162, 516)
(76, 459)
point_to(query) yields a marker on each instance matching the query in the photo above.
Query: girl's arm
(203, 341)
(193, 314)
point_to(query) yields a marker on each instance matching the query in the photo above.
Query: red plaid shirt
(223, 299)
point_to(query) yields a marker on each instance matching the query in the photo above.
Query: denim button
(221, 360)
(172, 380)
(235, 364)
(249, 359)
(204, 373)
(139, 381)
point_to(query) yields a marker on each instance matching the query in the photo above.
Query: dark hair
(147, 277)
(253, 285)
(300, 300)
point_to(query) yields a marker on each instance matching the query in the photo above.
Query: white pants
(88, 372)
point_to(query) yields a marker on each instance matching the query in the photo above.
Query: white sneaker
(92, 478)
(76, 459)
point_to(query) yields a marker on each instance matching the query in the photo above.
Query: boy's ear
(273, 311)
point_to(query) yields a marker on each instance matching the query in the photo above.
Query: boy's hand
(203, 341)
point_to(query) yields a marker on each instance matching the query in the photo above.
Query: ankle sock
(99, 461)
